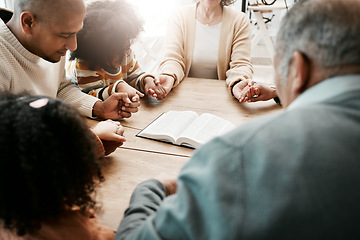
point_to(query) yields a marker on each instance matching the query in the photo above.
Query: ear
(301, 67)
(27, 22)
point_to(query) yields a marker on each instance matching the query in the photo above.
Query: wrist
(170, 75)
(147, 80)
(233, 85)
(98, 110)
(274, 93)
(117, 85)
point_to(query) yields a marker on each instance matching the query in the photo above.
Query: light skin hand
(241, 88)
(123, 87)
(153, 88)
(166, 81)
(111, 134)
(248, 91)
(110, 130)
(261, 91)
(117, 106)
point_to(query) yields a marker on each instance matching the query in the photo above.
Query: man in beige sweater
(33, 44)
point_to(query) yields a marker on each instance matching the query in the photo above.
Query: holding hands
(117, 106)
(153, 88)
(111, 134)
(158, 87)
(249, 91)
(133, 94)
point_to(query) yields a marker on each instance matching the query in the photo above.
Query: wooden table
(140, 159)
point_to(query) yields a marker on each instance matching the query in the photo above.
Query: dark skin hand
(117, 106)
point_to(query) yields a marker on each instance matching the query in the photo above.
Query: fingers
(121, 96)
(118, 138)
(123, 114)
(140, 94)
(130, 107)
(136, 98)
(151, 93)
(120, 131)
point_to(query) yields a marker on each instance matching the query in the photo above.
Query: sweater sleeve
(72, 95)
(173, 62)
(132, 72)
(240, 67)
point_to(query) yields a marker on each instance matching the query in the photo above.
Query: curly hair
(47, 165)
(109, 27)
(224, 2)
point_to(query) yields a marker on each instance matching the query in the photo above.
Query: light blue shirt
(327, 90)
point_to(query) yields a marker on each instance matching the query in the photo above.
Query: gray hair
(327, 32)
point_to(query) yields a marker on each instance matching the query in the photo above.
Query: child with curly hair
(103, 62)
(49, 170)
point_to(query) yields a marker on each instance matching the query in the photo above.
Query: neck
(209, 14)
(15, 27)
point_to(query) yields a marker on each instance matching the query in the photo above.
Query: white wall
(8, 4)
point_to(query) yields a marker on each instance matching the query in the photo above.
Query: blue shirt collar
(327, 89)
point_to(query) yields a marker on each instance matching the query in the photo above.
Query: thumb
(156, 80)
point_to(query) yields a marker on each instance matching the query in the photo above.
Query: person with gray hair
(33, 44)
(294, 174)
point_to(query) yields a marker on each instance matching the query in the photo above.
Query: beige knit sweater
(20, 71)
(234, 49)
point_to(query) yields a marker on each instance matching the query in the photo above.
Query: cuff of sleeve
(87, 109)
(277, 100)
(231, 86)
(152, 185)
(176, 82)
(113, 90)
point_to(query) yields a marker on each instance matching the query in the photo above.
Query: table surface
(140, 159)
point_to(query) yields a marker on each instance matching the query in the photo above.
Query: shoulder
(184, 12)
(234, 17)
(237, 15)
(254, 130)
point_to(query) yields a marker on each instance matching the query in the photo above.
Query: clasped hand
(111, 134)
(249, 91)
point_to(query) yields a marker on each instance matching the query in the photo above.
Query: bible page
(204, 128)
(170, 124)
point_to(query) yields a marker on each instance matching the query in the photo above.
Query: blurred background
(149, 45)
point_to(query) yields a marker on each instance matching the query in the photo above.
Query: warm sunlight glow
(156, 12)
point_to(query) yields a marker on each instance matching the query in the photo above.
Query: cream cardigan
(234, 46)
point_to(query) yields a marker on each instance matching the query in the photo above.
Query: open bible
(186, 128)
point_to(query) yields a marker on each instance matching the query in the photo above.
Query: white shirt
(206, 48)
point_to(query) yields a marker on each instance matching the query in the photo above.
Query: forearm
(144, 202)
(72, 95)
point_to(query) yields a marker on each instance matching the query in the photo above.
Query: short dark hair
(109, 27)
(47, 163)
